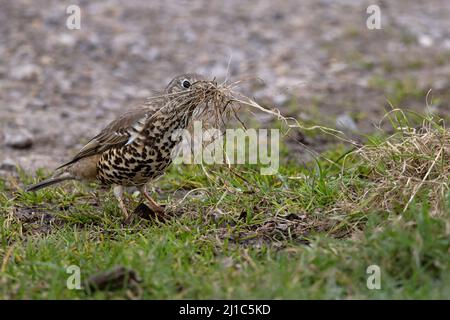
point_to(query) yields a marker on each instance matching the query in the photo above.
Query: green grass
(398, 91)
(261, 237)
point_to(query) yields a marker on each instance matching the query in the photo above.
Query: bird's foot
(153, 204)
(145, 212)
(158, 209)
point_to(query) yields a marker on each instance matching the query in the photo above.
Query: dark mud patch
(35, 220)
(116, 278)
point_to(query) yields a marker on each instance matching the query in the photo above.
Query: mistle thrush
(136, 147)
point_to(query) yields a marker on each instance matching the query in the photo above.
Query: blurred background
(318, 61)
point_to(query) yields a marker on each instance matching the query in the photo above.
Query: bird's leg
(153, 205)
(118, 193)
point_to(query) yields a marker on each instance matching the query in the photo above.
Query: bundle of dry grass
(228, 96)
(409, 163)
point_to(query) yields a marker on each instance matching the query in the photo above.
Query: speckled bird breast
(144, 159)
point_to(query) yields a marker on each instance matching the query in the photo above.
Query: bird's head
(184, 83)
(192, 95)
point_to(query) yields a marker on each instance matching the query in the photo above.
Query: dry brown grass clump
(410, 163)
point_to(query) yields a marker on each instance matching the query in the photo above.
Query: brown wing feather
(115, 134)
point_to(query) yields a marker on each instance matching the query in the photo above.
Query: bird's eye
(186, 84)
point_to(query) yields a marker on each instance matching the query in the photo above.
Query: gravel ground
(318, 60)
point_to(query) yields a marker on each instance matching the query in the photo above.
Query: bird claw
(148, 213)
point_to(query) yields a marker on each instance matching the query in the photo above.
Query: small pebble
(8, 165)
(26, 72)
(345, 122)
(19, 139)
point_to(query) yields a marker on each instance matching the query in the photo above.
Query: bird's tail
(48, 182)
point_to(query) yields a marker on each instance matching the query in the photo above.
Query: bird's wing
(118, 133)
